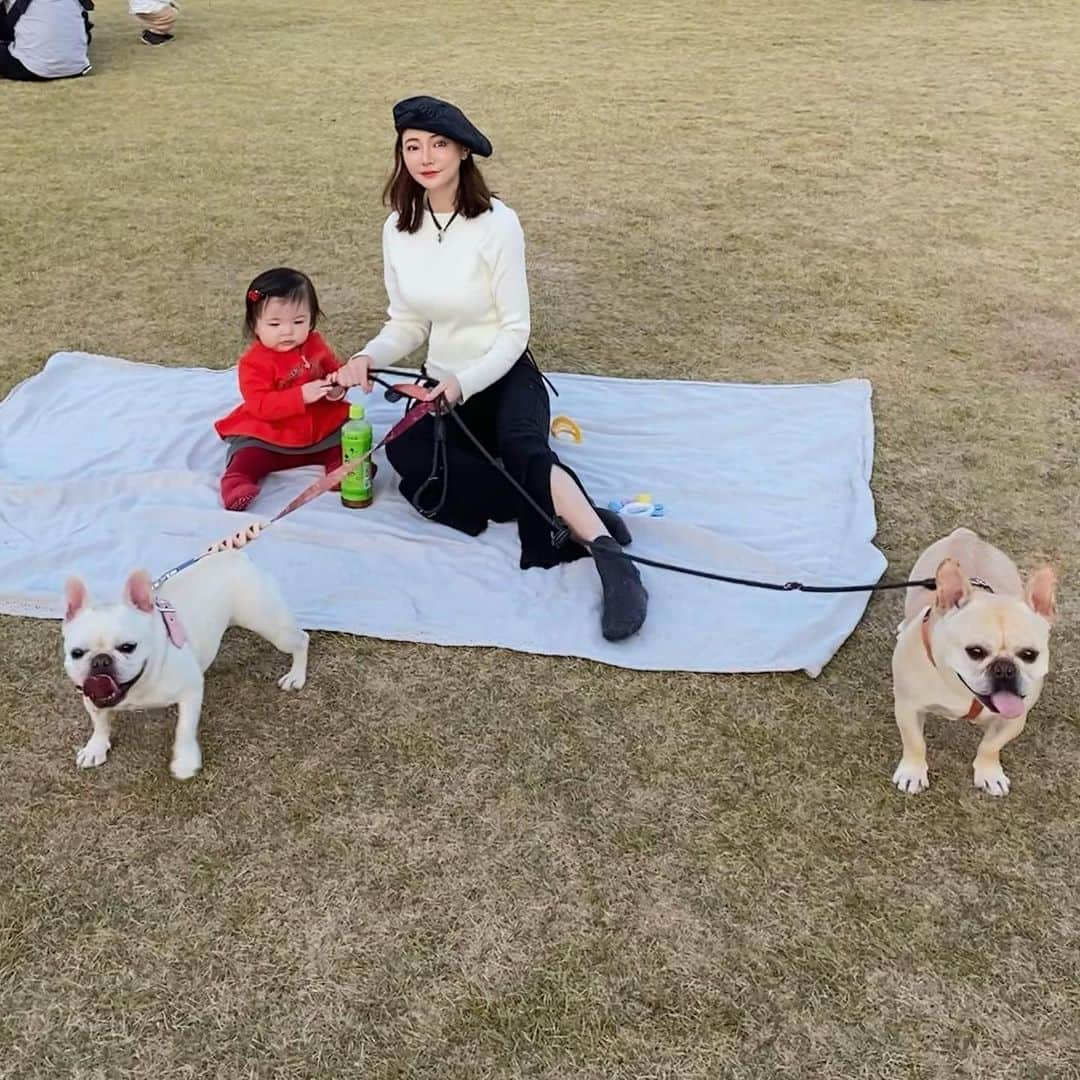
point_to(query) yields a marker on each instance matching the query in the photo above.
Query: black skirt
(511, 419)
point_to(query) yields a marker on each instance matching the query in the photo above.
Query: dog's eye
(77, 654)
(1029, 656)
(976, 652)
(128, 647)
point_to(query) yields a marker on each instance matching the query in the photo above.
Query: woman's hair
(285, 284)
(403, 194)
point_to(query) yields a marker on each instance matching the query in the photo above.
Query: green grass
(465, 863)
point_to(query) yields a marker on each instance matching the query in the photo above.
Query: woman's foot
(615, 524)
(625, 599)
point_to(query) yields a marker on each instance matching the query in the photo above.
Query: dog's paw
(293, 680)
(93, 753)
(992, 780)
(186, 762)
(911, 777)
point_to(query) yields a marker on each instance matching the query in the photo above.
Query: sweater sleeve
(263, 399)
(404, 329)
(504, 254)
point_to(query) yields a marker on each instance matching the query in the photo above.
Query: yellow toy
(563, 425)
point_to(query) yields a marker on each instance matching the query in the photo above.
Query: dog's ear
(76, 597)
(1040, 592)
(139, 591)
(953, 588)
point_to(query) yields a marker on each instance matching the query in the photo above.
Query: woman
(454, 265)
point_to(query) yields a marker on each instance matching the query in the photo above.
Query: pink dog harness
(171, 618)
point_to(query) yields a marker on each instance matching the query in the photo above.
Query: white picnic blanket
(106, 465)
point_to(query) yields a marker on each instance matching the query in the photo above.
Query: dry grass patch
(468, 863)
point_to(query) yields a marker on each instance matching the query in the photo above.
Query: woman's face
(433, 160)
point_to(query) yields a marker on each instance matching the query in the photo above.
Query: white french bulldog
(976, 648)
(150, 650)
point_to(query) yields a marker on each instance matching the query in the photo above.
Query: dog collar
(976, 707)
(173, 626)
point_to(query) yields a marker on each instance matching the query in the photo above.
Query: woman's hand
(449, 388)
(315, 390)
(238, 540)
(354, 372)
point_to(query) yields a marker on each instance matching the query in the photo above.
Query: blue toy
(638, 506)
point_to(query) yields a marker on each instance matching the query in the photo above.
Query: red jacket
(273, 408)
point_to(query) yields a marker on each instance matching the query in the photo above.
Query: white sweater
(467, 297)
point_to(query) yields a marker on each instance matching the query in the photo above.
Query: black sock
(625, 598)
(615, 524)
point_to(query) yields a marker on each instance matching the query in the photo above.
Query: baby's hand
(239, 539)
(315, 390)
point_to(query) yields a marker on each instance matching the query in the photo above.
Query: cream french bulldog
(976, 648)
(150, 650)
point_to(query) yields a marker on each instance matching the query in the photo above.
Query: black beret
(441, 118)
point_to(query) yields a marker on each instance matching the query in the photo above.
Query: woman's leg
(522, 441)
(522, 431)
(584, 520)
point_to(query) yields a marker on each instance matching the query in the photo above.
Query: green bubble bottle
(356, 488)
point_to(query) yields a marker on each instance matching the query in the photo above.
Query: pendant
(440, 236)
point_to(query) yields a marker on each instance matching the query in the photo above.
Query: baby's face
(283, 324)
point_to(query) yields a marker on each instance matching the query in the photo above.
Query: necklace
(441, 228)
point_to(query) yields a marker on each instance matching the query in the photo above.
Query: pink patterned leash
(422, 408)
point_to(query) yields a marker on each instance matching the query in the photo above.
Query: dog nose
(101, 662)
(1003, 670)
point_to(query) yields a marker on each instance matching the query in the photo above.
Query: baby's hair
(285, 284)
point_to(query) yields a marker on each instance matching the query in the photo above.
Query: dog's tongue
(100, 688)
(1009, 705)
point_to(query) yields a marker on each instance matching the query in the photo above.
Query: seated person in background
(44, 39)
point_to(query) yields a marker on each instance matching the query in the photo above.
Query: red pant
(250, 466)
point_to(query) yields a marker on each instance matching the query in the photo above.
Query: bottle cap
(356, 412)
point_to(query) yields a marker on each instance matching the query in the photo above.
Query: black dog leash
(560, 532)
(438, 470)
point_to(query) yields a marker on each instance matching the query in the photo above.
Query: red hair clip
(254, 295)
